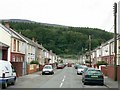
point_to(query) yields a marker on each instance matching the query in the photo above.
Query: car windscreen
(48, 67)
(80, 67)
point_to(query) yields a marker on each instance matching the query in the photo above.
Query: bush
(34, 62)
(101, 63)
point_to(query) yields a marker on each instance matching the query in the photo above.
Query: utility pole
(115, 42)
(82, 54)
(90, 49)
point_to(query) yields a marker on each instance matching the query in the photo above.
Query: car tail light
(86, 76)
(101, 76)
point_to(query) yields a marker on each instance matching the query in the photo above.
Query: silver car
(48, 69)
(80, 69)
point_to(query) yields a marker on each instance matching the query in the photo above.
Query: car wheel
(84, 83)
(102, 84)
(4, 86)
(13, 83)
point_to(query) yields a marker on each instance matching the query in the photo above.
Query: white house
(5, 43)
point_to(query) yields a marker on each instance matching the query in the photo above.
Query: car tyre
(13, 83)
(4, 86)
(102, 84)
(84, 83)
(42, 73)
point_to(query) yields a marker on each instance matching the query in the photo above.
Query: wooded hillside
(63, 40)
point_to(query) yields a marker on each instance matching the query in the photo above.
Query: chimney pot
(7, 24)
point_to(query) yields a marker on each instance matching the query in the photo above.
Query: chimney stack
(7, 24)
(33, 39)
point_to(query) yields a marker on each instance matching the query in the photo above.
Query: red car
(60, 66)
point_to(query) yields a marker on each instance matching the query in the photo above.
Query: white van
(7, 74)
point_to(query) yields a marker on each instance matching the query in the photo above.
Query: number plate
(94, 76)
(46, 72)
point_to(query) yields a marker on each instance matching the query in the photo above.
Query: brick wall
(109, 71)
(31, 68)
(104, 70)
(18, 67)
(118, 73)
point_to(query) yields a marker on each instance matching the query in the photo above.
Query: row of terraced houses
(20, 51)
(105, 52)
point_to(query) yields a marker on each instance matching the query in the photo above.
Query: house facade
(5, 43)
(20, 50)
(15, 52)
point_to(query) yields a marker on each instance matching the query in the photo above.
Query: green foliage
(34, 62)
(87, 62)
(101, 63)
(61, 39)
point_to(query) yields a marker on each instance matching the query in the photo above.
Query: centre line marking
(62, 81)
(61, 85)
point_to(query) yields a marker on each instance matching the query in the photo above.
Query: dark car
(93, 76)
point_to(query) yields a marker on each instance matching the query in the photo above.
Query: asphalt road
(63, 78)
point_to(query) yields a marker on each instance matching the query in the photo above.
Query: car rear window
(47, 67)
(98, 72)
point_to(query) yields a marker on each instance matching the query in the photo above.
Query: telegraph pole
(115, 42)
(90, 49)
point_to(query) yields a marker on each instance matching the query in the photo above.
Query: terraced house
(105, 52)
(20, 51)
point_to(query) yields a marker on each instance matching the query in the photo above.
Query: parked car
(85, 69)
(47, 69)
(80, 69)
(7, 74)
(60, 66)
(93, 75)
(76, 65)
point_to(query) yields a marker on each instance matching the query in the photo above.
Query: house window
(13, 58)
(14, 47)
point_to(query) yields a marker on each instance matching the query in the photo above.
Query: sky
(76, 13)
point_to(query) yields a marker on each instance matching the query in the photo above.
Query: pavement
(108, 82)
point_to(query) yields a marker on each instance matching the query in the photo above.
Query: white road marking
(62, 81)
(61, 85)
